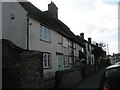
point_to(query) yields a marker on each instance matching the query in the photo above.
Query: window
(45, 34)
(70, 51)
(74, 45)
(46, 60)
(113, 73)
(66, 61)
(70, 44)
(65, 42)
(82, 49)
(70, 60)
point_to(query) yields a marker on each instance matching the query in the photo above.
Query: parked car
(111, 78)
(117, 63)
(118, 60)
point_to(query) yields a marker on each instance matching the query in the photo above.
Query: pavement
(91, 81)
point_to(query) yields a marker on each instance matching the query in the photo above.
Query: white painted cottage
(30, 28)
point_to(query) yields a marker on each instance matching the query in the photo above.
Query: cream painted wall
(51, 47)
(14, 29)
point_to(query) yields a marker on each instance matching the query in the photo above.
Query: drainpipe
(27, 31)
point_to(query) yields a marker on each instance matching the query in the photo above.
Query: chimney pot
(97, 44)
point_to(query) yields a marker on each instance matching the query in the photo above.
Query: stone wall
(21, 68)
(67, 78)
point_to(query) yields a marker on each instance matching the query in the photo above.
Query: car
(117, 63)
(111, 78)
(118, 60)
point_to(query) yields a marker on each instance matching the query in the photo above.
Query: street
(91, 81)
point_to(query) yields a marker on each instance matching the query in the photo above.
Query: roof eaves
(46, 24)
(37, 14)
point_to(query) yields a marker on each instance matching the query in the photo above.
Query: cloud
(115, 49)
(103, 17)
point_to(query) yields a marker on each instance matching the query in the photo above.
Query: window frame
(65, 42)
(48, 60)
(66, 61)
(45, 34)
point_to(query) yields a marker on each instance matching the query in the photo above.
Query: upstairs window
(45, 33)
(74, 45)
(70, 44)
(65, 42)
(82, 50)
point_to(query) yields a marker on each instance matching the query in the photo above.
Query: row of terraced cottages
(32, 29)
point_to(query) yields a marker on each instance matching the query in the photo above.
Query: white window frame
(70, 50)
(74, 45)
(70, 44)
(70, 60)
(65, 42)
(66, 61)
(82, 50)
(45, 33)
(46, 60)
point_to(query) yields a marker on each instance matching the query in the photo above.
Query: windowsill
(70, 46)
(45, 41)
(66, 47)
(47, 67)
(66, 65)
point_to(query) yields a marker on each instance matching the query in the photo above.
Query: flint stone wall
(21, 68)
(67, 78)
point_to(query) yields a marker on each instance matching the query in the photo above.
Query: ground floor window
(66, 63)
(70, 61)
(46, 60)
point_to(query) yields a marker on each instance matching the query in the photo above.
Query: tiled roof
(47, 19)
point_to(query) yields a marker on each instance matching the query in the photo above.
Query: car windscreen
(113, 73)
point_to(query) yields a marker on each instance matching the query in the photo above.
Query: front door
(60, 64)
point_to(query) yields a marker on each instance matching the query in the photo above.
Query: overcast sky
(97, 19)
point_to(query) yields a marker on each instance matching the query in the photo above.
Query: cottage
(32, 29)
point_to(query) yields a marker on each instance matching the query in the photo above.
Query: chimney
(89, 40)
(113, 54)
(97, 44)
(53, 10)
(82, 35)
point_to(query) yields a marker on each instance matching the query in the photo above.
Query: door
(60, 64)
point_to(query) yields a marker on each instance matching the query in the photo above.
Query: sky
(97, 19)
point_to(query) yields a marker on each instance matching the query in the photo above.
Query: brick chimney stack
(97, 44)
(82, 35)
(89, 40)
(53, 10)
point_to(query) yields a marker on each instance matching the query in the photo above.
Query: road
(91, 81)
